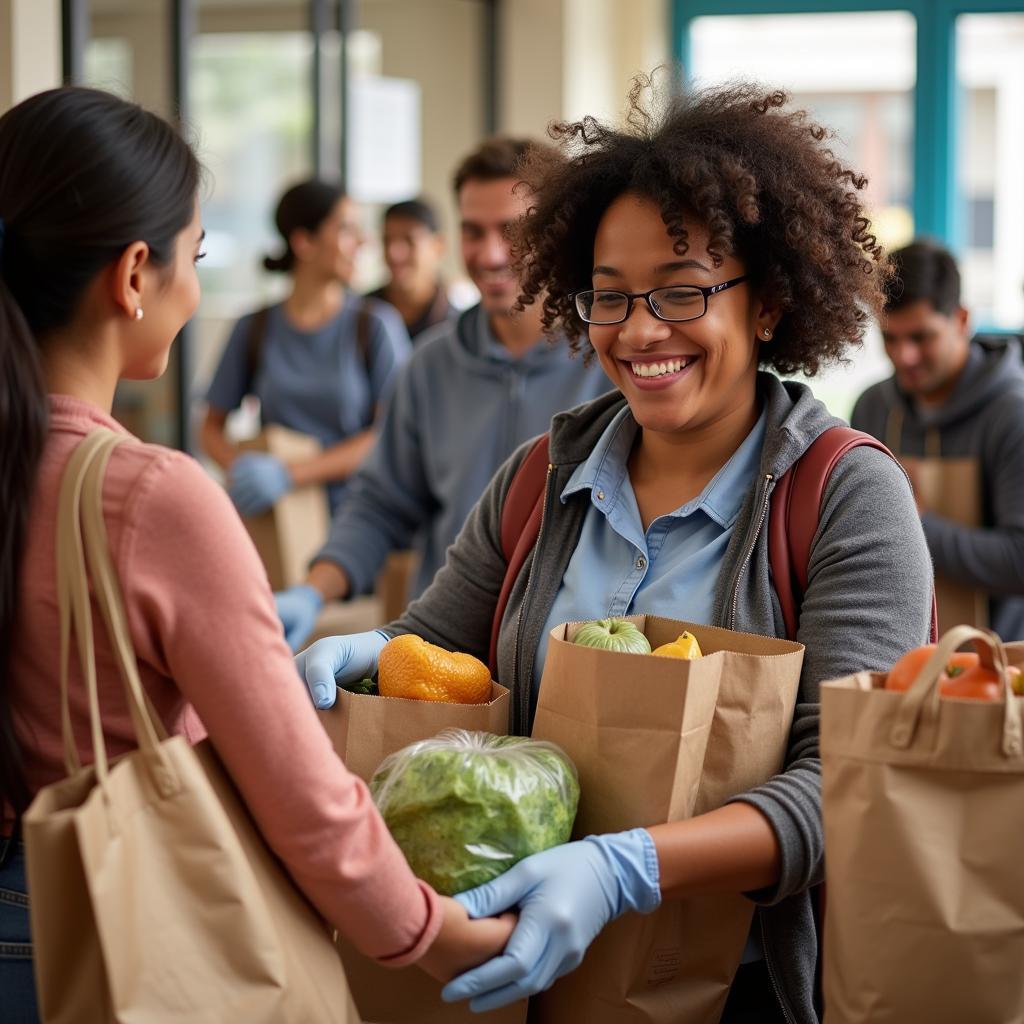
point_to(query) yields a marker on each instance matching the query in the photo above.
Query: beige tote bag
(924, 849)
(655, 740)
(153, 898)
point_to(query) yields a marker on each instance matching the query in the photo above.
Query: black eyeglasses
(675, 303)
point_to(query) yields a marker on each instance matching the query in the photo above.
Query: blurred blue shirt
(316, 382)
(669, 570)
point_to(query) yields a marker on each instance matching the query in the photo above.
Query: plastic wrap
(465, 806)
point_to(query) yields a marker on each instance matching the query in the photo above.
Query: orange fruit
(410, 667)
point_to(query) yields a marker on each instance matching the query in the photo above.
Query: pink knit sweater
(211, 653)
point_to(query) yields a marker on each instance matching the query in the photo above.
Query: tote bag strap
(81, 533)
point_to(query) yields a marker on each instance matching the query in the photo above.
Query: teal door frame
(935, 209)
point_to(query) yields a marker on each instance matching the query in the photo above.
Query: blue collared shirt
(672, 568)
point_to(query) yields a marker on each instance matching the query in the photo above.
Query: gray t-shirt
(317, 382)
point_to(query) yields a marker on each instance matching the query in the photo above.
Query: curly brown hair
(759, 177)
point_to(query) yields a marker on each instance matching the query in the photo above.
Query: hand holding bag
(657, 740)
(154, 898)
(365, 730)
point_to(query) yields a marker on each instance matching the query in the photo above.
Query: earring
(138, 313)
(767, 334)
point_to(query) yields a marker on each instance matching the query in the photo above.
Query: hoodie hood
(479, 351)
(994, 368)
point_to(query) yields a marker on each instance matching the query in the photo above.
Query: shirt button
(641, 562)
(600, 495)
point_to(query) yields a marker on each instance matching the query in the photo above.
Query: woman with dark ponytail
(99, 234)
(321, 362)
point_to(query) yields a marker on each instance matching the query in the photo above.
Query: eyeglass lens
(605, 306)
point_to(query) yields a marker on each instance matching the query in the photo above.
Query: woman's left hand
(256, 480)
(565, 896)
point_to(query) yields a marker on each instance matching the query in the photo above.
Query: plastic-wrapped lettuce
(465, 806)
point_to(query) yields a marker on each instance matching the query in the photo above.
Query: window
(251, 115)
(990, 158)
(819, 60)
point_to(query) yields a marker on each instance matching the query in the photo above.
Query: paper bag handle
(925, 688)
(80, 514)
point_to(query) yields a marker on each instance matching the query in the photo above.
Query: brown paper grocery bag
(153, 896)
(952, 489)
(386, 995)
(290, 533)
(365, 730)
(924, 849)
(657, 740)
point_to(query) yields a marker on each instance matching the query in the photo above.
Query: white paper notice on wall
(384, 139)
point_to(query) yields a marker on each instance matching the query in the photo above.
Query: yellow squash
(684, 646)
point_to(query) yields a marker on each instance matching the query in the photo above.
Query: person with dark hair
(953, 413)
(699, 253)
(475, 388)
(322, 362)
(413, 250)
(99, 235)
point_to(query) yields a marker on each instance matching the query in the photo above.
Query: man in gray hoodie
(474, 390)
(954, 398)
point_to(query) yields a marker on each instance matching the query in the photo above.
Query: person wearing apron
(953, 414)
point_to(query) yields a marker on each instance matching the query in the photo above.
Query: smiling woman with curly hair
(753, 174)
(699, 250)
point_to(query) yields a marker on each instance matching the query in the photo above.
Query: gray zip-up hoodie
(983, 418)
(868, 601)
(461, 406)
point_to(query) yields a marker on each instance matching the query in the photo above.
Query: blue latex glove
(565, 896)
(297, 608)
(256, 480)
(338, 659)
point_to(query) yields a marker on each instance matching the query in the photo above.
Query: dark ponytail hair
(83, 174)
(305, 205)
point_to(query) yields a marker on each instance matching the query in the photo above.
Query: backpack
(792, 521)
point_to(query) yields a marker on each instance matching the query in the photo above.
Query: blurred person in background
(953, 413)
(413, 249)
(97, 277)
(474, 390)
(321, 362)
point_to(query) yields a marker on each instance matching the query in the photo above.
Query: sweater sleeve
(389, 497)
(202, 613)
(457, 609)
(230, 381)
(868, 601)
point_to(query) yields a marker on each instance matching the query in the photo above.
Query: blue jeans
(17, 986)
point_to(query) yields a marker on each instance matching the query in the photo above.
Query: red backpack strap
(520, 525)
(796, 512)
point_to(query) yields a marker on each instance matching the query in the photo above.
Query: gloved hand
(338, 659)
(565, 896)
(297, 608)
(256, 480)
